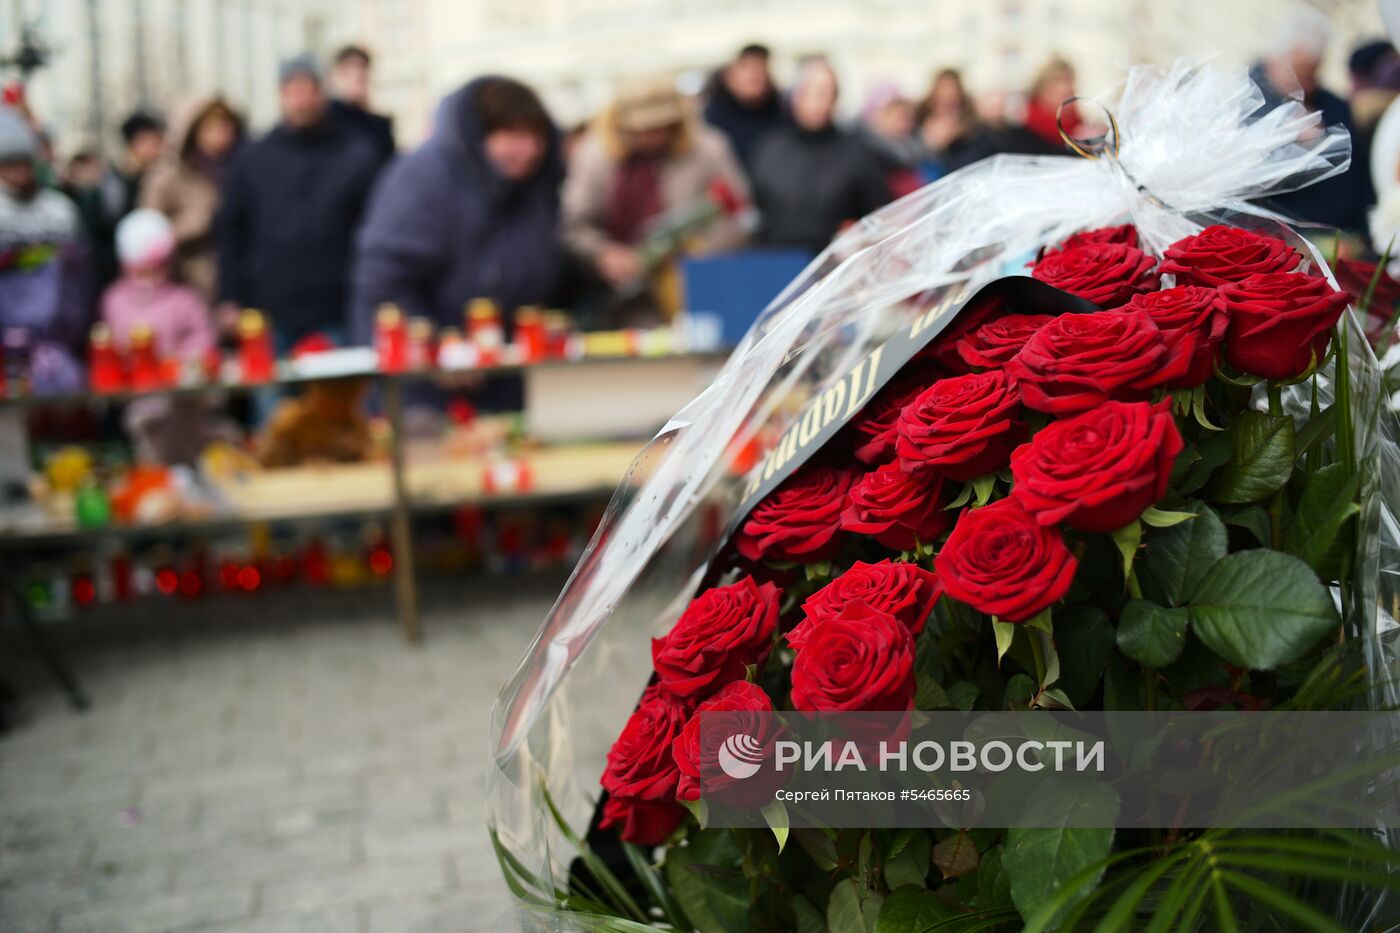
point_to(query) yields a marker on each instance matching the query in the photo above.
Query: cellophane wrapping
(1197, 145)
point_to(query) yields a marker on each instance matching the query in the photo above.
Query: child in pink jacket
(164, 429)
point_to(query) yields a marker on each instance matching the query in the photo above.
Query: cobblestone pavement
(283, 762)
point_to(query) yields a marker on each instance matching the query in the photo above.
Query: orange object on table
(104, 363)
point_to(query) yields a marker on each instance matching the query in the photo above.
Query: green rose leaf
(1040, 862)
(1179, 556)
(1151, 635)
(847, 912)
(911, 865)
(1260, 609)
(708, 883)
(1262, 461)
(955, 856)
(1085, 639)
(1315, 534)
(911, 910)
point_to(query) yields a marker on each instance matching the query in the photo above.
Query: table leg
(58, 668)
(401, 527)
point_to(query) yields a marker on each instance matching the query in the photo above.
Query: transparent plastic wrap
(1197, 145)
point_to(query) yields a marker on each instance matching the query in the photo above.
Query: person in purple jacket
(472, 213)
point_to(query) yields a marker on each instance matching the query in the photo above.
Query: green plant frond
(1123, 914)
(617, 893)
(655, 885)
(974, 923)
(1261, 893)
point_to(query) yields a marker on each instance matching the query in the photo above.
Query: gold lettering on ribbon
(811, 423)
(858, 396)
(832, 400)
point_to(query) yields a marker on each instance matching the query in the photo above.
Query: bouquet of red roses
(1150, 475)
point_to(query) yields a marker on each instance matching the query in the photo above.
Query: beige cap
(649, 102)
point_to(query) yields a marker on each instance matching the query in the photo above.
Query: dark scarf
(636, 197)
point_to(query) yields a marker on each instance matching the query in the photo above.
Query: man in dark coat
(812, 178)
(350, 85)
(291, 204)
(470, 214)
(743, 103)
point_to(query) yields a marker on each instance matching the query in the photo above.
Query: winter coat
(286, 226)
(807, 184)
(378, 129)
(185, 188)
(443, 227)
(698, 157)
(742, 125)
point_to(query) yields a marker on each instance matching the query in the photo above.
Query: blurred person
(184, 186)
(813, 177)
(44, 272)
(165, 429)
(887, 127)
(646, 157)
(471, 213)
(1053, 85)
(743, 101)
(1289, 69)
(949, 130)
(144, 136)
(350, 84)
(290, 206)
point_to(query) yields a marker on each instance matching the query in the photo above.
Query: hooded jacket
(443, 227)
(185, 188)
(286, 225)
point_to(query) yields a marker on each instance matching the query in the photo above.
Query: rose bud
(1192, 322)
(641, 777)
(1107, 274)
(741, 709)
(993, 344)
(905, 591)
(900, 510)
(1100, 470)
(1280, 322)
(873, 431)
(1126, 234)
(859, 659)
(1001, 561)
(800, 520)
(1219, 255)
(721, 632)
(1079, 361)
(962, 426)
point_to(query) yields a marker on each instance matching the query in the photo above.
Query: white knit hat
(144, 239)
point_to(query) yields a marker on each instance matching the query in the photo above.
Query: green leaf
(955, 856)
(809, 919)
(1127, 540)
(1004, 632)
(1262, 461)
(929, 694)
(707, 883)
(961, 499)
(1319, 427)
(1160, 519)
(1150, 634)
(820, 847)
(775, 815)
(1253, 519)
(1085, 640)
(1260, 609)
(983, 487)
(963, 694)
(1315, 534)
(993, 887)
(911, 865)
(1179, 556)
(698, 809)
(846, 912)
(911, 910)
(1211, 452)
(1040, 862)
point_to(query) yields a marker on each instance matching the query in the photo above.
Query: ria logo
(740, 756)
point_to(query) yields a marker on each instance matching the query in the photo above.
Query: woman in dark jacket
(812, 177)
(470, 214)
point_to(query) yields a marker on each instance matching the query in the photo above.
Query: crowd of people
(319, 221)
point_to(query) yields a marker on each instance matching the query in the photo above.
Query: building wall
(574, 50)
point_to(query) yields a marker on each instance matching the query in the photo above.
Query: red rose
(1354, 277)
(996, 342)
(641, 776)
(1192, 324)
(944, 348)
(905, 591)
(800, 520)
(963, 426)
(859, 659)
(1280, 322)
(1107, 274)
(1220, 255)
(1126, 234)
(741, 708)
(900, 510)
(1078, 361)
(721, 632)
(875, 428)
(1097, 471)
(1000, 561)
